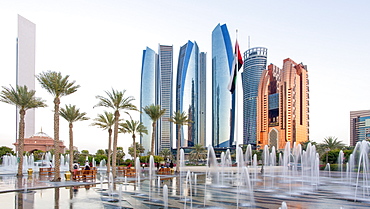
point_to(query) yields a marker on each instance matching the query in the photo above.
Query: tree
(166, 153)
(100, 152)
(304, 144)
(116, 101)
(24, 100)
(106, 121)
(154, 112)
(72, 114)
(198, 153)
(139, 149)
(5, 151)
(133, 127)
(332, 143)
(120, 154)
(180, 119)
(58, 86)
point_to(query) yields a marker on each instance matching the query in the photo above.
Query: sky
(100, 45)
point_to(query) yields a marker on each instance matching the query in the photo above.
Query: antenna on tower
(249, 42)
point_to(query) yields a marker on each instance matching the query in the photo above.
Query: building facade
(283, 105)
(202, 98)
(187, 87)
(148, 89)
(223, 102)
(191, 93)
(359, 126)
(165, 99)
(40, 141)
(156, 88)
(26, 45)
(255, 60)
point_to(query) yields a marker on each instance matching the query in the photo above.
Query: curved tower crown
(254, 63)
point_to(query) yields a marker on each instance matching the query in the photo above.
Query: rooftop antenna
(249, 42)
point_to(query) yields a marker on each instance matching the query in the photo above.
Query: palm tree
(198, 153)
(72, 114)
(58, 86)
(154, 112)
(332, 143)
(24, 100)
(166, 153)
(117, 101)
(106, 121)
(180, 119)
(133, 127)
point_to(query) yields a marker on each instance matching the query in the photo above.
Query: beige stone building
(283, 105)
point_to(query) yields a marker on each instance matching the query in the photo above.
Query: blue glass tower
(187, 92)
(254, 63)
(148, 92)
(223, 102)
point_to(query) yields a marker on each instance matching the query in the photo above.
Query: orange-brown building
(40, 141)
(283, 105)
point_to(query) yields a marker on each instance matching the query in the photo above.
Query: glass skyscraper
(148, 92)
(156, 88)
(254, 63)
(223, 102)
(188, 92)
(164, 77)
(202, 98)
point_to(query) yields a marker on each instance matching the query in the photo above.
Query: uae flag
(237, 64)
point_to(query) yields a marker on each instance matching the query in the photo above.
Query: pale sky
(100, 43)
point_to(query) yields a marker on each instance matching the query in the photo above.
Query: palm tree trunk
(22, 114)
(109, 149)
(178, 149)
(153, 137)
(133, 139)
(70, 147)
(115, 138)
(56, 140)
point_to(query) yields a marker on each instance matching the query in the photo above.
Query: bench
(79, 175)
(164, 171)
(121, 169)
(46, 171)
(130, 172)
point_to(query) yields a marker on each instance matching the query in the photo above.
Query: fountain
(296, 181)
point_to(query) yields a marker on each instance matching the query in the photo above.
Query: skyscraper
(254, 63)
(282, 105)
(188, 93)
(148, 92)
(165, 88)
(26, 43)
(202, 98)
(359, 126)
(156, 88)
(223, 102)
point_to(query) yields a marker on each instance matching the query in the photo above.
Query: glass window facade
(165, 65)
(254, 63)
(148, 92)
(222, 99)
(187, 92)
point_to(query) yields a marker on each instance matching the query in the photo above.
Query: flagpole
(236, 95)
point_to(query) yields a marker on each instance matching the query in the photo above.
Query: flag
(237, 64)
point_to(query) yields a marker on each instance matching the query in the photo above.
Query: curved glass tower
(254, 63)
(187, 92)
(148, 92)
(222, 99)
